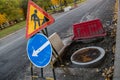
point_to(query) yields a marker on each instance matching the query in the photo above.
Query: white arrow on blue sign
(39, 50)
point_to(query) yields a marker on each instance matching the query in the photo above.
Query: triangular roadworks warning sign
(37, 19)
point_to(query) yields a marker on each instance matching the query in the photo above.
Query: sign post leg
(41, 72)
(54, 74)
(46, 32)
(31, 67)
(53, 70)
(41, 76)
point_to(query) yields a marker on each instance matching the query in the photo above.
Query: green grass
(12, 29)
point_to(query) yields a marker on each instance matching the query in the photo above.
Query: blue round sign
(39, 50)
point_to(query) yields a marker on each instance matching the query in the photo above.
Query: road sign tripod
(47, 20)
(41, 76)
(57, 57)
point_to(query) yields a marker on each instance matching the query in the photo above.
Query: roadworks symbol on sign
(37, 19)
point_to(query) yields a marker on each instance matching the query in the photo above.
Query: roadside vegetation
(13, 12)
(12, 29)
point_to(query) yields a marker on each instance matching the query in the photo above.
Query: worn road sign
(37, 19)
(39, 50)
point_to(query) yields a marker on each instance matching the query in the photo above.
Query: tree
(55, 2)
(2, 18)
(44, 4)
(11, 8)
(24, 5)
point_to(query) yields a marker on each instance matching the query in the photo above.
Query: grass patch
(12, 29)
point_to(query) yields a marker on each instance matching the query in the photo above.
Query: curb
(116, 74)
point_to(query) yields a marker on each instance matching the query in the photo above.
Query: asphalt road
(13, 57)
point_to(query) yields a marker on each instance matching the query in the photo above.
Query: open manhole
(88, 56)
